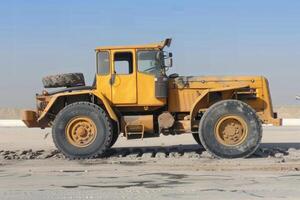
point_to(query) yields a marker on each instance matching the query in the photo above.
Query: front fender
(105, 101)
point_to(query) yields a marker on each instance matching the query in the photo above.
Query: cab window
(103, 62)
(123, 62)
(150, 62)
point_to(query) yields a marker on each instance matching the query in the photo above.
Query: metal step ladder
(134, 131)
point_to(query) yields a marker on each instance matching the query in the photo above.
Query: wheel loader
(133, 95)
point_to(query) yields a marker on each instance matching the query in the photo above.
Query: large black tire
(97, 115)
(115, 135)
(196, 137)
(238, 112)
(64, 80)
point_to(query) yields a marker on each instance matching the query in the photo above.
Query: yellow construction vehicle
(133, 95)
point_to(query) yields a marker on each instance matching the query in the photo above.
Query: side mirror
(167, 54)
(168, 62)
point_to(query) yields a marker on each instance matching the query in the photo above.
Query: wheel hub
(231, 130)
(81, 131)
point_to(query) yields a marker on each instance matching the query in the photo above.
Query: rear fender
(197, 105)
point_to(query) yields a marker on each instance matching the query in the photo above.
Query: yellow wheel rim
(81, 131)
(231, 130)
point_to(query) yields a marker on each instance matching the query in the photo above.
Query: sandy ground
(288, 111)
(10, 113)
(164, 168)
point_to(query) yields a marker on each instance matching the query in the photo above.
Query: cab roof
(159, 45)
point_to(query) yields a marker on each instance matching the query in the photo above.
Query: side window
(150, 61)
(123, 62)
(103, 62)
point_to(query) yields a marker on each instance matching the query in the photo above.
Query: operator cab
(134, 75)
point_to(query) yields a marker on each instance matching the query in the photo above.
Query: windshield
(150, 61)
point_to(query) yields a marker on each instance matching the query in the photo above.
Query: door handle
(112, 79)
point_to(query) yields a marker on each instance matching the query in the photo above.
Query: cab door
(152, 83)
(123, 78)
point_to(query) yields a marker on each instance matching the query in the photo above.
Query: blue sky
(217, 37)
